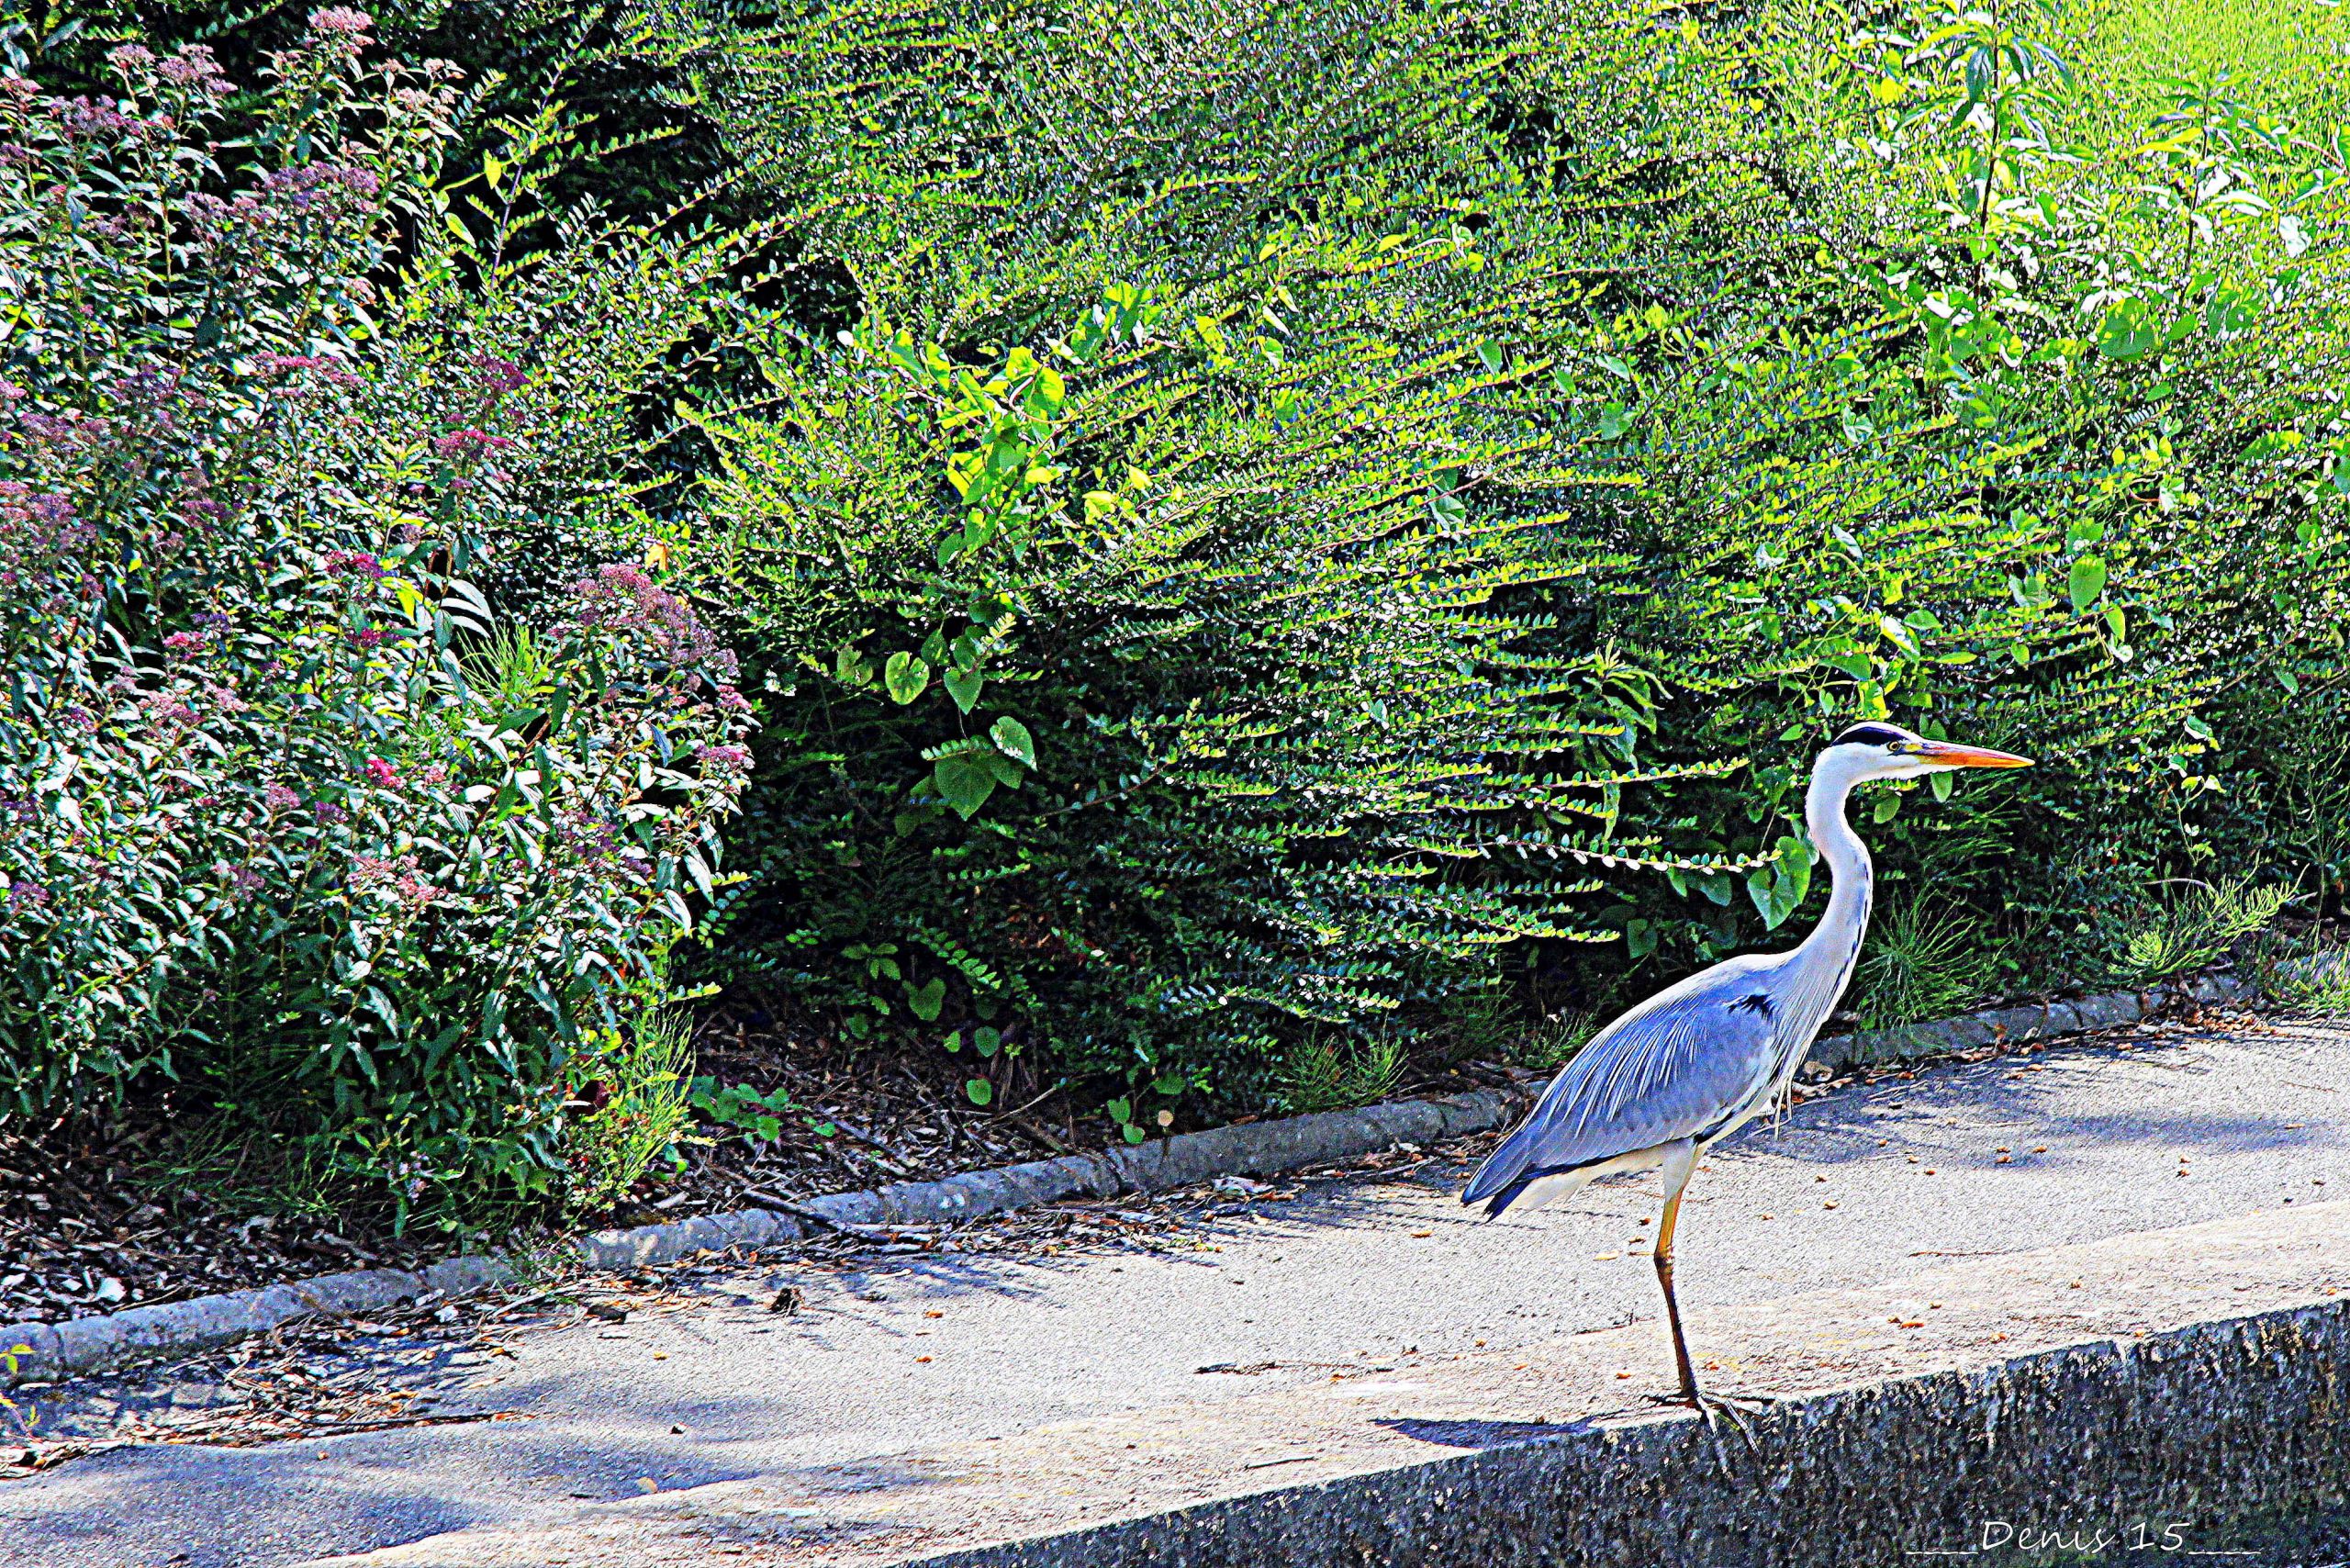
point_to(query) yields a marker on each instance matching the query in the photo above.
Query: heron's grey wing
(1673, 1068)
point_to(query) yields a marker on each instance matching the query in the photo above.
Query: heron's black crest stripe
(1758, 1003)
(1870, 735)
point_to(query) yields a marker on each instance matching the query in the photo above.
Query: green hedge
(1385, 451)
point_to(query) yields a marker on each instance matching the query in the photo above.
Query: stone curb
(2232, 1430)
(1999, 1025)
(85, 1344)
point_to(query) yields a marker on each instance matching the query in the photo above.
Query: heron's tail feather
(1537, 1188)
(1506, 1165)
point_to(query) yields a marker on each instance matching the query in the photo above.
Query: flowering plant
(284, 817)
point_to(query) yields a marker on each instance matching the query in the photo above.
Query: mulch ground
(95, 1218)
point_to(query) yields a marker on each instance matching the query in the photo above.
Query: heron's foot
(1732, 1404)
(1716, 1408)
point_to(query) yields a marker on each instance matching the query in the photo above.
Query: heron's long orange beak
(1943, 753)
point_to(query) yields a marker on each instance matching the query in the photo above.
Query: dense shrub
(285, 819)
(1295, 737)
(1145, 696)
(1788, 367)
(2036, 439)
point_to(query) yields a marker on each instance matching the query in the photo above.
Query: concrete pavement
(1859, 1192)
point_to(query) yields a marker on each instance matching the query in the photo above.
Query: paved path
(1859, 1189)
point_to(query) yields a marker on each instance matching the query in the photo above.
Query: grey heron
(1688, 1067)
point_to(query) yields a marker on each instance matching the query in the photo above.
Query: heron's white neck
(1838, 936)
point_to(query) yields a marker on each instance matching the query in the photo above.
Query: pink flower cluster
(192, 67)
(285, 194)
(41, 542)
(621, 598)
(470, 443)
(402, 877)
(382, 774)
(499, 376)
(353, 564)
(305, 185)
(326, 369)
(70, 432)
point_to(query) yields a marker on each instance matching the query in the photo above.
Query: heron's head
(1888, 751)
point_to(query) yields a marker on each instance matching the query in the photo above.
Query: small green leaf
(982, 1092)
(986, 1041)
(963, 685)
(906, 676)
(1133, 1134)
(2128, 331)
(954, 1041)
(927, 1002)
(1011, 738)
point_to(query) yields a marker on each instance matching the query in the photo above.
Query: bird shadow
(1460, 1434)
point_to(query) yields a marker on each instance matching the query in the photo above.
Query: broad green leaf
(963, 783)
(2129, 330)
(1860, 666)
(2087, 582)
(980, 1090)
(964, 687)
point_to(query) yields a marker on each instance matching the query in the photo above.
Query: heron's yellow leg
(1676, 1182)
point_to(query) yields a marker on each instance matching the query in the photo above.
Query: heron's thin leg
(1676, 1169)
(1673, 1189)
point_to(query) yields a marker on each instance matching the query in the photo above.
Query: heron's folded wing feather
(1670, 1068)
